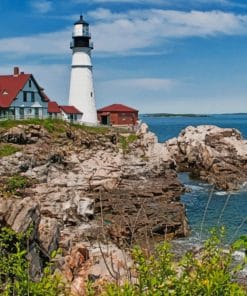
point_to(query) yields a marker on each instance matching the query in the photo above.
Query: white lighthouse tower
(81, 94)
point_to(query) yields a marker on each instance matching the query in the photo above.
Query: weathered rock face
(23, 134)
(215, 155)
(20, 214)
(87, 189)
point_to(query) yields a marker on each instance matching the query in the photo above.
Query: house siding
(120, 118)
(36, 108)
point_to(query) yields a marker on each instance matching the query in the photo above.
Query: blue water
(168, 127)
(234, 217)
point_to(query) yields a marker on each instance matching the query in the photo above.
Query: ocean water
(223, 208)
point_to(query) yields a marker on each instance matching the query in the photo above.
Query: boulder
(23, 134)
(215, 155)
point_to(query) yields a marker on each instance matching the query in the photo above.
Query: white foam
(195, 187)
(221, 193)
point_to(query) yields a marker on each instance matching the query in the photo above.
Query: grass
(91, 129)
(14, 185)
(125, 141)
(49, 124)
(53, 125)
(7, 149)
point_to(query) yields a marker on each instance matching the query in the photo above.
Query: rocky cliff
(212, 154)
(89, 192)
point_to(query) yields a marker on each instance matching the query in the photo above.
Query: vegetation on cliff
(209, 272)
(7, 149)
(51, 125)
(14, 269)
(122, 175)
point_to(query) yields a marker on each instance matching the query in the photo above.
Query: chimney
(16, 71)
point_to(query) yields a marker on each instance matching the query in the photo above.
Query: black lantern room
(81, 35)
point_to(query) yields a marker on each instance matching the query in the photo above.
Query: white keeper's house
(21, 97)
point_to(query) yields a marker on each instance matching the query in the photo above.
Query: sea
(206, 208)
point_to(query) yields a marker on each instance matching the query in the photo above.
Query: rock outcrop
(88, 188)
(212, 154)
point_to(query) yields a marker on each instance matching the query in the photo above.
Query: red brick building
(117, 114)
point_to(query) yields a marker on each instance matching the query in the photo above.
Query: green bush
(241, 243)
(14, 269)
(6, 150)
(207, 273)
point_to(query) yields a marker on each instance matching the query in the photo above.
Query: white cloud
(132, 32)
(42, 6)
(55, 43)
(174, 3)
(121, 32)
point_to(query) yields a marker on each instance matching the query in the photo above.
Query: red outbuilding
(117, 114)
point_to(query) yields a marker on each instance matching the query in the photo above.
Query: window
(32, 96)
(24, 96)
(91, 94)
(30, 83)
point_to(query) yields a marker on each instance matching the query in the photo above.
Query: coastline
(89, 189)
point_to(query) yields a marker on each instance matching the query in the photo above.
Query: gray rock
(21, 214)
(49, 234)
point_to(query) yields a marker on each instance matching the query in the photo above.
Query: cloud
(132, 32)
(54, 43)
(176, 3)
(42, 6)
(136, 29)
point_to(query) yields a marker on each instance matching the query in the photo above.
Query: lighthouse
(81, 93)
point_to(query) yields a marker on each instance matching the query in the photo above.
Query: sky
(171, 56)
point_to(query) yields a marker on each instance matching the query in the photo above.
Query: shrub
(208, 273)
(14, 275)
(241, 243)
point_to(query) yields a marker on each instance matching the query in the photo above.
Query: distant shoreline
(173, 115)
(187, 115)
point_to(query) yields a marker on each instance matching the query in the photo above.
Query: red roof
(44, 95)
(70, 110)
(10, 86)
(53, 107)
(117, 108)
